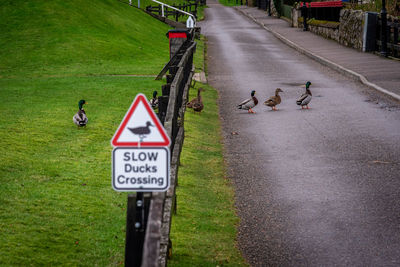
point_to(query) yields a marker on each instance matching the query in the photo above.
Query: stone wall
(273, 9)
(348, 32)
(251, 2)
(351, 28)
(296, 14)
(327, 31)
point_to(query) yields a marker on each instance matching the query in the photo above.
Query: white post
(130, 2)
(174, 8)
(189, 22)
(365, 30)
(138, 3)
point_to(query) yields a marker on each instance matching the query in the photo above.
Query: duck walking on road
(275, 100)
(305, 98)
(250, 103)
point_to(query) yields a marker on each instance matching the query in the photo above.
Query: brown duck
(274, 100)
(197, 103)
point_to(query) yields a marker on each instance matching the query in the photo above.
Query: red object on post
(324, 4)
(177, 35)
(176, 39)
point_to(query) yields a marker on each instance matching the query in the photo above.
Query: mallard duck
(197, 102)
(274, 100)
(306, 97)
(250, 103)
(154, 101)
(80, 118)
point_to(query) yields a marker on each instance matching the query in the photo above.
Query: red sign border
(135, 103)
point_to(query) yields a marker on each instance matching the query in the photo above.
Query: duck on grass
(154, 101)
(80, 118)
(196, 103)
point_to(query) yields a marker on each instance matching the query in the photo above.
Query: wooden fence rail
(157, 244)
(190, 6)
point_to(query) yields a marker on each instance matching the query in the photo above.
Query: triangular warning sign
(140, 127)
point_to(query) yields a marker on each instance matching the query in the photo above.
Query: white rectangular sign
(144, 169)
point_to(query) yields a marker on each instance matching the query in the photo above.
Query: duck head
(278, 90)
(253, 93)
(155, 94)
(308, 88)
(148, 124)
(81, 103)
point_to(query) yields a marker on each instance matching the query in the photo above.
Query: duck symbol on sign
(142, 131)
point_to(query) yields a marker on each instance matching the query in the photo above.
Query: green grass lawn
(56, 202)
(231, 2)
(203, 232)
(57, 205)
(68, 38)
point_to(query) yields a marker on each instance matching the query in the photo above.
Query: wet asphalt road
(318, 187)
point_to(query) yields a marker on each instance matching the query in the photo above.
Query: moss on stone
(324, 23)
(320, 23)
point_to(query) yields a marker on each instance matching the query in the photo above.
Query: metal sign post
(136, 221)
(141, 164)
